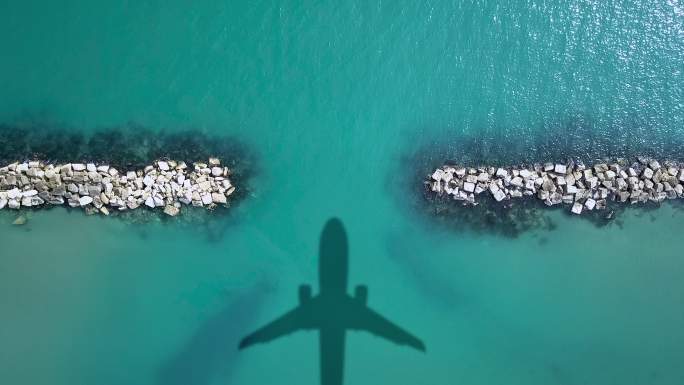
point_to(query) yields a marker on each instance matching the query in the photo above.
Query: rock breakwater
(100, 188)
(580, 187)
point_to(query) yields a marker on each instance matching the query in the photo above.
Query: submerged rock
(171, 210)
(20, 220)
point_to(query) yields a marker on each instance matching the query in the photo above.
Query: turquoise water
(333, 98)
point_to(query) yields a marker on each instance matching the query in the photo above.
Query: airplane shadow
(332, 312)
(211, 349)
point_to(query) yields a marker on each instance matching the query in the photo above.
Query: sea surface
(336, 99)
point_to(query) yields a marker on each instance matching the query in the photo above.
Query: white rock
(171, 210)
(3, 203)
(78, 166)
(37, 201)
(525, 173)
(158, 201)
(149, 202)
(577, 208)
(218, 171)
(104, 168)
(214, 161)
(218, 198)
(30, 193)
(648, 173)
(593, 182)
(438, 174)
(570, 178)
(13, 204)
(164, 166)
(469, 187)
(517, 181)
(85, 200)
(14, 193)
(590, 204)
(91, 167)
(499, 195)
(148, 180)
(206, 199)
(560, 169)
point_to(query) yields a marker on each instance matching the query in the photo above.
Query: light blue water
(332, 97)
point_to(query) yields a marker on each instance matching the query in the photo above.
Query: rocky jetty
(580, 187)
(100, 188)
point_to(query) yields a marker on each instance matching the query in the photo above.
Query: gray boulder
(647, 173)
(577, 208)
(85, 200)
(590, 204)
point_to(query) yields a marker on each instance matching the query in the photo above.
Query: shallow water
(334, 99)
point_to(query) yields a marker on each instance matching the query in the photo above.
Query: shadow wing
(289, 322)
(366, 319)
